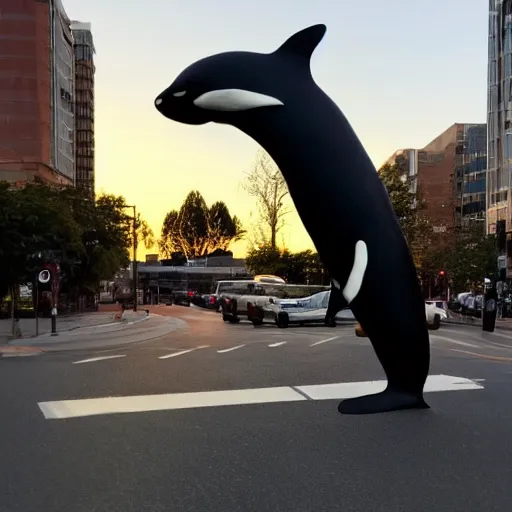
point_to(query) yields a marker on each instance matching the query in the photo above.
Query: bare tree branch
(266, 183)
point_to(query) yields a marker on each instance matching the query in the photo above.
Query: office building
(37, 125)
(499, 123)
(84, 104)
(449, 174)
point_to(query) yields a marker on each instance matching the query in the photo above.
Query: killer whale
(337, 192)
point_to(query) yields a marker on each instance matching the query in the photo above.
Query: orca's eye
(179, 94)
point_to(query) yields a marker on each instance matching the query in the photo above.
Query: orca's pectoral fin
(336, 303)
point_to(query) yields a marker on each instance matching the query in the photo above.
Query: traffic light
(441, 272)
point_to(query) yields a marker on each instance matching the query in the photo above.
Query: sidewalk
(66, 323)
(101, 336)
(457, 319)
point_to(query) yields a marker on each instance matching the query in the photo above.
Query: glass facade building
(499, 116)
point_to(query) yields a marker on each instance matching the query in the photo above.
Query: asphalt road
(283, 449)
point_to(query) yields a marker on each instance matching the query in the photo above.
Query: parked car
(307, 310)
(246, 297)
(207, 301)
(433, 314)
(182, 297)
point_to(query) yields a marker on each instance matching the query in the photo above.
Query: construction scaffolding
(84, 105)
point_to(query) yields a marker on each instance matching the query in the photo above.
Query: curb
(21, 351)
(120, 322)
(163, 329)
(75, 331)
(453, 321)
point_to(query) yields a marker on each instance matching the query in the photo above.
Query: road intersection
(228, 418)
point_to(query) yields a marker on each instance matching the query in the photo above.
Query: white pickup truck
(434, 315)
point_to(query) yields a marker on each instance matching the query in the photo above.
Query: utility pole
(55, 286)
(135, 269)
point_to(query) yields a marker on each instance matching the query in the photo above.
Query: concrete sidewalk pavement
(67, 323)
(458, 319)
(106, 336)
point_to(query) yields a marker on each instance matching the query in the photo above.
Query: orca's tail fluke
(385, 401)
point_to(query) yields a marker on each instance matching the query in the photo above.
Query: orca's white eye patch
(179, 94)
(234, 100)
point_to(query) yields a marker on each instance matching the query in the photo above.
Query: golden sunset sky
(399, 82)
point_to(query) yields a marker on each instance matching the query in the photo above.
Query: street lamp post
(55, 285)
(134, 268)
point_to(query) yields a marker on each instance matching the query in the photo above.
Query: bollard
(17, 329)
(54, 322)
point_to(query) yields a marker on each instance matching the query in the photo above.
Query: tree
(408, 206)
(33, 222)
(223, 228)
(266, 183)
(263, 260)
(170, 239)
(303, 267)
(91, 239)
(144, 232)
(473, 257)
(196, 230)
(467, 255)
(193, 225)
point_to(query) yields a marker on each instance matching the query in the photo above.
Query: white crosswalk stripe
(175, 401)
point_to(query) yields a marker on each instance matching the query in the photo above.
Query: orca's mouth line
(355, 279)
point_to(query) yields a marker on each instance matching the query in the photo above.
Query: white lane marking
(181, 352)
(278, 344)
(435, 383)
(112, 405)
(323, 341)
(456, 342)
(145, 403)
(230, 349)
(176, 354)
(94, 359)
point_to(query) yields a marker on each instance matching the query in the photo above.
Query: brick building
(37, 127)
(450, 175)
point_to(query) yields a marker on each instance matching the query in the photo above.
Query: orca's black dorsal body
(337, 192)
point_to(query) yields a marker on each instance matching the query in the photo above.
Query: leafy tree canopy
(409, 209)
(303, 267)
(91, 239)
(196, 230)
(466, 255)
(473, 257)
